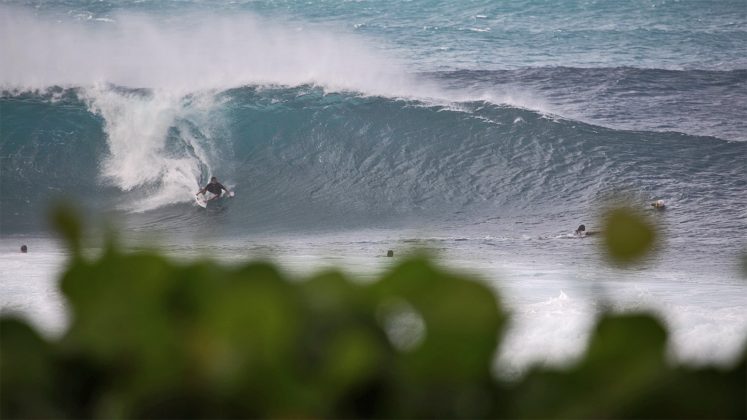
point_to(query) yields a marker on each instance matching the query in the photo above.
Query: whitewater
(482, 133)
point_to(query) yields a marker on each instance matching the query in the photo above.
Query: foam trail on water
(547, 332)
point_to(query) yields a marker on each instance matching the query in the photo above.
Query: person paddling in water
(581, 231)
(214, 187)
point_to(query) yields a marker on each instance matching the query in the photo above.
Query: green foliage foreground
(153, 338)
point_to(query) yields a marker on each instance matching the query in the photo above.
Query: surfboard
(202, 200)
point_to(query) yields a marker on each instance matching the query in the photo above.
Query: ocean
(480, 132)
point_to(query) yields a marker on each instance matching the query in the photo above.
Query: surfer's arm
(225, 189)
(202, 191)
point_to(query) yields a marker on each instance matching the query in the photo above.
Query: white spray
(188, 53)
(138, 131)
(198, 52)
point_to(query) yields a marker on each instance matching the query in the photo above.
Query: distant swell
(699, 102)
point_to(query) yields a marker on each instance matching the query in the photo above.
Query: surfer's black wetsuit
(215, 188)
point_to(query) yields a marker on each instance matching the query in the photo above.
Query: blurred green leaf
(462, 320)
(26, 372)
(628, 236)
(624, 359)
(65, 220)
(153, 338)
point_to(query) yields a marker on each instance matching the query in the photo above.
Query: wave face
(301, 158)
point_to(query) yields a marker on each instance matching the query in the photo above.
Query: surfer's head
(24, 249)
(581, 228)
(213, 179)
(659, 204)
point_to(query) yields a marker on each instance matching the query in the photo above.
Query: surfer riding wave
(214, 187)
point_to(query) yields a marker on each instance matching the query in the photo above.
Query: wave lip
(212, 53)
